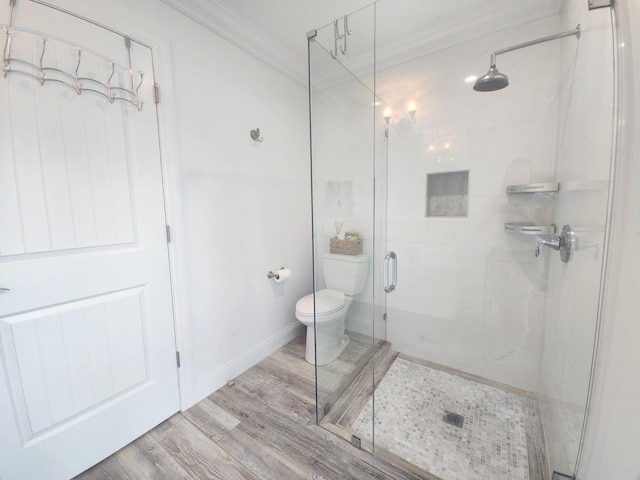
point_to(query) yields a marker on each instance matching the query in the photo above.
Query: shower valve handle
(565, 243)
(555, 243)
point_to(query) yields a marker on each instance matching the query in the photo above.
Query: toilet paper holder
(274, 275)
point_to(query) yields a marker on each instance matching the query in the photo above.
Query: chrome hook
(336, 37)
(78, 84)
(110, 94)
(346, 25)
(347, 32)
(43, 77)
(255, 135)
(7, 52)
(138, 103)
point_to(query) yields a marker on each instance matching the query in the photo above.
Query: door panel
(62, 360)
(86, 331)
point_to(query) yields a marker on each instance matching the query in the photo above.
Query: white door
(87, 344)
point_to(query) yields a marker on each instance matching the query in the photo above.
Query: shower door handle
(390, 287)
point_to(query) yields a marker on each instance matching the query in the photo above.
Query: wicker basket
(345, 247)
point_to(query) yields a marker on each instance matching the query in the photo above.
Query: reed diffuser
(339, 234)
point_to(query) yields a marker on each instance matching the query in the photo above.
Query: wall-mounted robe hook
(255, 135)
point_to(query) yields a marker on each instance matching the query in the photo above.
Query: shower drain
(454, 419)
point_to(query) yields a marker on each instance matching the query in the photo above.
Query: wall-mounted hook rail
(43, 73)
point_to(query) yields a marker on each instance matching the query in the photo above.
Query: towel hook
(78, 84)
(7, 52)
(255, 135)
(138, 103)
(43, 77)
(347, 32)
(110, 94)
(336, 36)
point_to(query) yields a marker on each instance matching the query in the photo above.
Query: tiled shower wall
(471, 295)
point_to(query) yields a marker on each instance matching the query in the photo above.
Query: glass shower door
(344, 185)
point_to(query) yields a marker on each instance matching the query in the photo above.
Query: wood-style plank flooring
(262, 427)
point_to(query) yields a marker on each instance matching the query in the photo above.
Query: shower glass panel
(478, 365)
(346, 234)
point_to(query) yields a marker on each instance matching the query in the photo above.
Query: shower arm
(576, 31)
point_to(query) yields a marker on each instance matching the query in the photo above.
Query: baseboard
(364, 326)
(238, 365)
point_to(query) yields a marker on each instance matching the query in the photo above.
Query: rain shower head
(494, 80)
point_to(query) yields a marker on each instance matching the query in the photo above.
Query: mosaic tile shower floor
(411, 402)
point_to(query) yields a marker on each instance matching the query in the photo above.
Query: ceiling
(275, 30)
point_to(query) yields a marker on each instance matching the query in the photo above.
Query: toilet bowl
(325, 313)
(330, 311)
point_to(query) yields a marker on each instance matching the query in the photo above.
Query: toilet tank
(345, 273)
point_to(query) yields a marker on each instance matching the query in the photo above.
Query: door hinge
(156, 92)
(168, 233)
(384, 317)
(178, 359)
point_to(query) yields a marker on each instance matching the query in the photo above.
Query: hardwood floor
(262, 427)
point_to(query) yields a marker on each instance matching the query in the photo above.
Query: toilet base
(328, 349)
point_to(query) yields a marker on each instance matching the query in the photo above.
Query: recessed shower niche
(448, 194)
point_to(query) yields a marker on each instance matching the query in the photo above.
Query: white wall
(613, 437)
(237, 209)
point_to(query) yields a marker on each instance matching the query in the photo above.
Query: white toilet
(344, 277)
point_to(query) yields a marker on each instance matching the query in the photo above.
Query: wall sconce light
(411, 111)
(393, 121)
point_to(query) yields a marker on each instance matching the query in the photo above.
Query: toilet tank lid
(363, 257)
(327, 301)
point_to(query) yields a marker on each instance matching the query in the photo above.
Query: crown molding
(440, 37)
(217, 17)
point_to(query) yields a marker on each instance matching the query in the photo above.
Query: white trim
(217, 17)
(240, 364)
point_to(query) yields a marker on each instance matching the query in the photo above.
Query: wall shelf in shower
(582, 185)
(530, 229)
(533, 188)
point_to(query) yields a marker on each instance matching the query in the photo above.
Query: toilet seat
(327, 302)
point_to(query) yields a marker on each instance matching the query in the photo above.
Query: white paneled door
(87, 344)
